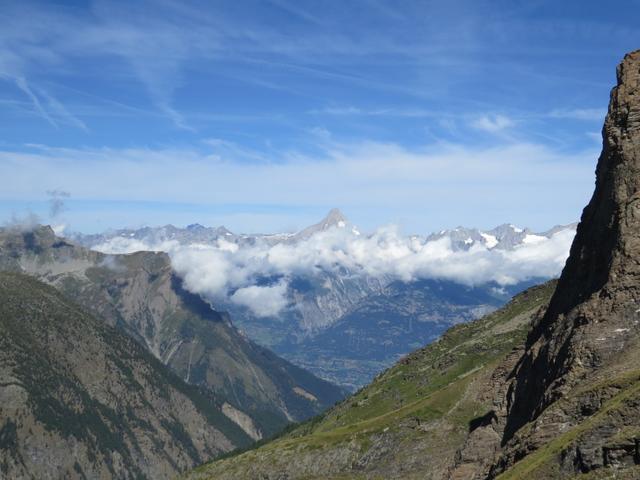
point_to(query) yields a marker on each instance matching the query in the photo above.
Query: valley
(298, 240)
(546, 387)
(336, 318)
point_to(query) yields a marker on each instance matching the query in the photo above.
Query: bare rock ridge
(599, 289)
(571, 399)
(334, 218)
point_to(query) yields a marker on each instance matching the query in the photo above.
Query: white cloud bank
(421, 187)
(227, 271)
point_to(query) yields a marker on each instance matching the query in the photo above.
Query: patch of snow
(516, 229)
(619, 330)
(529, 239)
(58, 229)
(468, 241)
(341, 224)
(489, 240)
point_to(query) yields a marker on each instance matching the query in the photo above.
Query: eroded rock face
(594, 315)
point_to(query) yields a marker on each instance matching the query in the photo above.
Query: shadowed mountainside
(79, 399)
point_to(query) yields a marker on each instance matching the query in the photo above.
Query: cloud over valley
(257, 272)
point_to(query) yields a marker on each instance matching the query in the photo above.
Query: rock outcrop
(592, 315)
(593, 318)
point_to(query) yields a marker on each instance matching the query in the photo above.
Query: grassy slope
(410, 420)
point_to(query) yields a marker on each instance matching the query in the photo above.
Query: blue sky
(263, 115)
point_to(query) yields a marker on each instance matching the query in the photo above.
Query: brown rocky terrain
(572, 403)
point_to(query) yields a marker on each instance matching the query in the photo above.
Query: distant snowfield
(257, 274)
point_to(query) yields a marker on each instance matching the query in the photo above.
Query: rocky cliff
(599, 290)
(572, 403)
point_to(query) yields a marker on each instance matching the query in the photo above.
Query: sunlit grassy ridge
(422, 404)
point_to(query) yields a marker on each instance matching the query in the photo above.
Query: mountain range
(116, 365)
(547, 387)
(342, 323)
(247, 387)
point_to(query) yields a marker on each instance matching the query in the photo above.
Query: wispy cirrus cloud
(590, 114)
(424, 112)
(37, 104)
(379, 112)
(305, 49)
(492, 123)
(516, 181)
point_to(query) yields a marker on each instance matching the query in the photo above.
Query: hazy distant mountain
(194, 233)
(386, 316)
(384, 326)
(503, 237)
(334, 218)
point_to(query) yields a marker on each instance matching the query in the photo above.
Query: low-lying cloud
(262, 301)
(257, 276)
